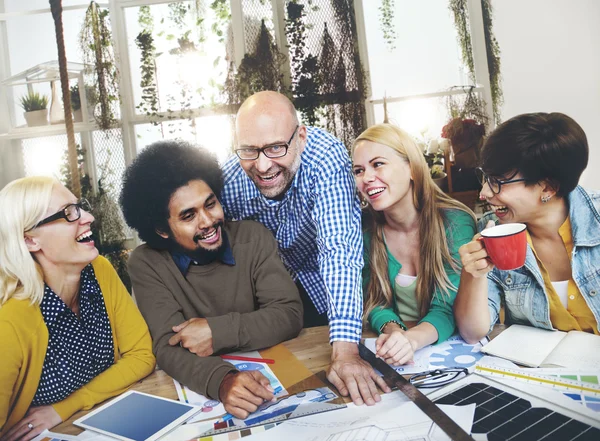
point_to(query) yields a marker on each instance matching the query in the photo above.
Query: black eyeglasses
(495, 184)
(438, 377)
(70, 213)
(270, 151)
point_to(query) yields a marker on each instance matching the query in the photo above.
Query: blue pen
(226, 418)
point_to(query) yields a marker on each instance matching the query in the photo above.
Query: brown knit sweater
(251, 305)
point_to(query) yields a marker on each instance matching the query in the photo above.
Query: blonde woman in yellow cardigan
(70, 334)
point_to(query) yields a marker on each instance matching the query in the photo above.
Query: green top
(406, 301)
(460, 229)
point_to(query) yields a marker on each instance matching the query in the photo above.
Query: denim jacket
(523, 290)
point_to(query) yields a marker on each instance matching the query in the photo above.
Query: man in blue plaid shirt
(297, 181)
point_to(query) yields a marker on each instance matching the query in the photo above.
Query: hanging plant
(96, 45)
(352, 88)
(463, 30)
(493, 59)
(329, 84)
(386, 21)
(177, 12)
(259, 70)
(466, 130)
(222, 18)
(461, 21)
(303, 65)
(149, 105)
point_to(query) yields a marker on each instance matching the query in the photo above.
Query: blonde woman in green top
(412, 232)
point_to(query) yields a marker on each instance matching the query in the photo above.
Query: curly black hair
(158, 172)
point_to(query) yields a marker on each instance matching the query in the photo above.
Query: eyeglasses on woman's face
(495, 184)
(70, 213)
(270, 151)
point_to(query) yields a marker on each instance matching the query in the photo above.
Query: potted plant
(435, 161)
(76, 103)
(36, 109)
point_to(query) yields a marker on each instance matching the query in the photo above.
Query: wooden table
(311, 347)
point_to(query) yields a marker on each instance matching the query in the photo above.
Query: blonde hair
(23, 203)
(429, 202)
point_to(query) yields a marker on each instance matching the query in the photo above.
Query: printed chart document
(394, 418)
(454, 352)
(535, 347)
(213, 409)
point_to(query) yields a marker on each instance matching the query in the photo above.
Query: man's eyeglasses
(270, 151)
(70, 213)
(438, 377)
(495, 184)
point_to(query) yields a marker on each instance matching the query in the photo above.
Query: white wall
(551, 63)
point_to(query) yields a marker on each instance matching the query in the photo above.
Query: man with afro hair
(204, 286)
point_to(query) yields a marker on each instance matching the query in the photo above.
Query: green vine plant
(149, 104)
(223, 18)
(461, 23)
(96, 44)
(493, 58)
(304, 66)
(386, 21)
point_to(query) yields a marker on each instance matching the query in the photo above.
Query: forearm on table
(201, 374)
(471, 309)
(423, 334)
(269, 325)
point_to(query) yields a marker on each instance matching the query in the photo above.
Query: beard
(202, 255)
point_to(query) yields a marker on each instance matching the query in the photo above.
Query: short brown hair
(540, 146)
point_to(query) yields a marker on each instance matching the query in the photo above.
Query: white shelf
(24, 132)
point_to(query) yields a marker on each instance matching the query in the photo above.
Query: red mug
(506, 245)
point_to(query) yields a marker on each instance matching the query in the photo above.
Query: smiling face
(62, 243)
(195, 218)
(516, 201)
(382, 176)
(268, 119)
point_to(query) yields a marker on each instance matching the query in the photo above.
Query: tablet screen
(137, 416)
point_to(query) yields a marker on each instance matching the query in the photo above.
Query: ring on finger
(30, 426)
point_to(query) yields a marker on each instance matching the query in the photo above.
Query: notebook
(535, 347)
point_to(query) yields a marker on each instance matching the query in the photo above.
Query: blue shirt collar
(183, 261)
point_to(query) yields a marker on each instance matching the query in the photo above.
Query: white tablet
(135, 416)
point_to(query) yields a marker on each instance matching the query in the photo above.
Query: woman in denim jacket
(531, 165)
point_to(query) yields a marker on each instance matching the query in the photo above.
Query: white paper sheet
(391, 419)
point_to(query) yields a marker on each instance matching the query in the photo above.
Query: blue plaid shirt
(317, 226)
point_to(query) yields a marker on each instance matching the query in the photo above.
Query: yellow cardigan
(24, 340)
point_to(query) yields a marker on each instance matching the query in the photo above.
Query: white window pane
(427, 55)
(45, 156)
(422, 118)
(34, 5)
(211, 132)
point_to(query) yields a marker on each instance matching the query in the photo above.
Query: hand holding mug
(474, 256)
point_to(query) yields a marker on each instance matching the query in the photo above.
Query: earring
(363, 203)
(545, 199)
(481, 197)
